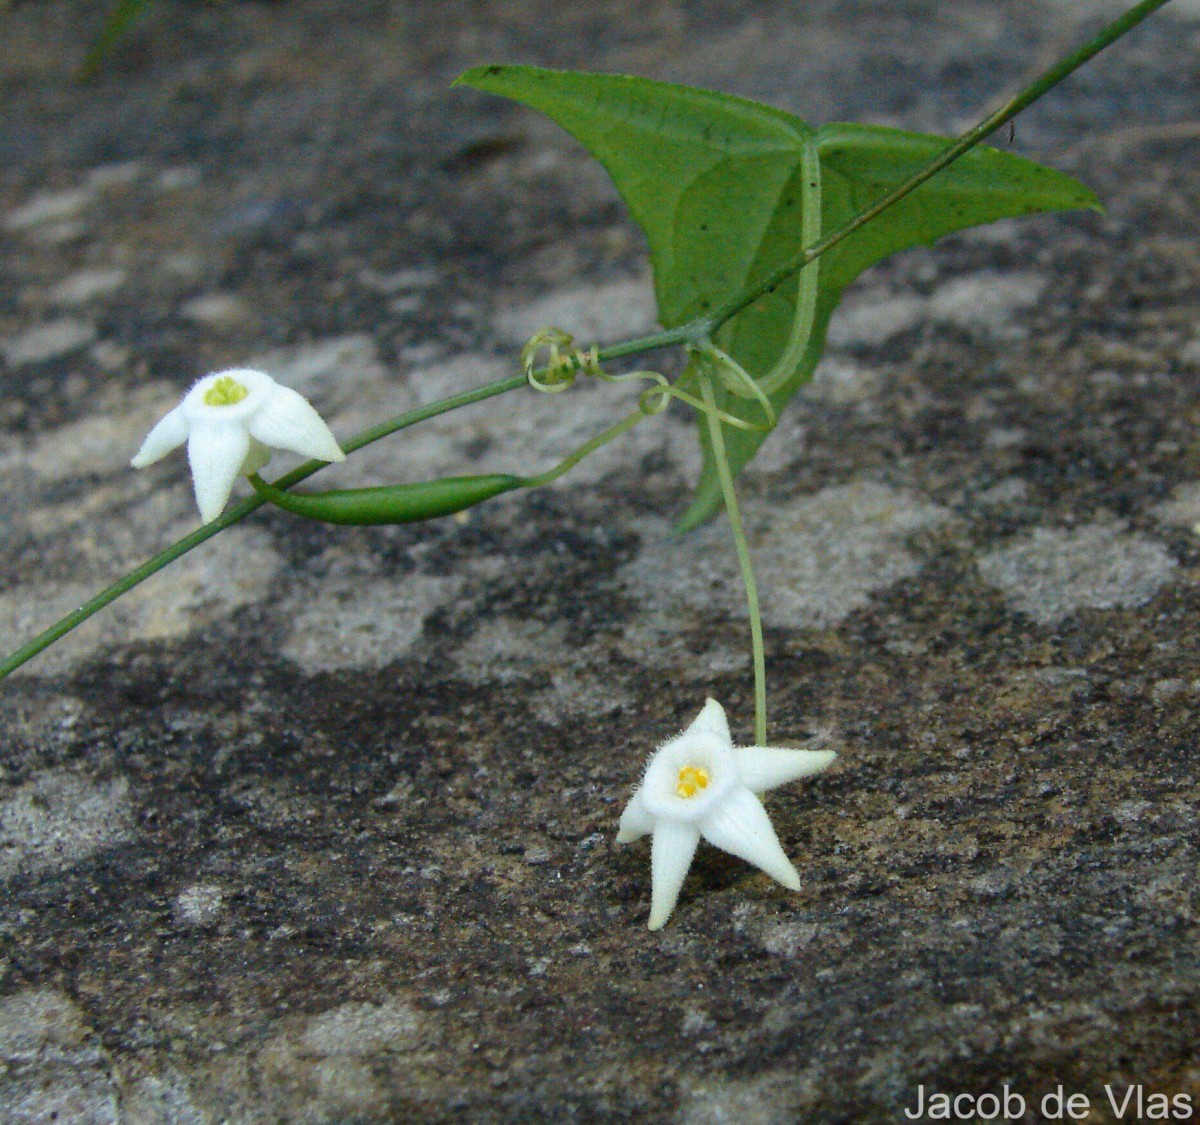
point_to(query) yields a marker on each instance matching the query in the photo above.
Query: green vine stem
(693, 332)
(965, 143)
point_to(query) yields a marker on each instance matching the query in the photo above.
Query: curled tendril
(655, 399)
(735, 379)
(563, 362)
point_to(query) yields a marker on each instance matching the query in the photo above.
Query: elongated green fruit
(394, 503)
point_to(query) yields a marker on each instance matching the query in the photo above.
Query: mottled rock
(988, 302)
(110, 177)
(216, 310)
(1183, 509)
(46, 341)
(616, 310)
(59, 819)
(873, 318)
(231, 571)
(48, 207)
(330, 371)
(178, 179)
(86, 286)
(817, 558)
(102, 442)
(359, 1029)
(358, 619)
(198, 905)
(1055, 572)
(53, 1068)
(317, 824)
(770, 1099)
(38, 1020)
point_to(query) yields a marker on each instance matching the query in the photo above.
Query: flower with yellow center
(231, 420)
(699, 785)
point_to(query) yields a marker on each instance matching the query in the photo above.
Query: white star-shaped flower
(700, 785)
(229, 419)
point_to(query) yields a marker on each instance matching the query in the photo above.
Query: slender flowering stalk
(743, 554)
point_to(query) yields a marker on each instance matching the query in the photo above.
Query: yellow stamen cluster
(225, 392)
(691, 780)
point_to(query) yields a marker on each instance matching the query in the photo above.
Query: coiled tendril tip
(563, 362)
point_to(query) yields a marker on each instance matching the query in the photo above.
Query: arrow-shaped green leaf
(715, 183)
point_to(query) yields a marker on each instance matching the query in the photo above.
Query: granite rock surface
(318, 824)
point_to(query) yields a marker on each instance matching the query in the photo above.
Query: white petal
(671, 854)
(288, 421)
(764, 767)
(170, 433)
(636, 822)
(711, 720)
(216, 453)
(739, 825)
(257, 458)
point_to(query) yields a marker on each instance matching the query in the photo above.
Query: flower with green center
(231, 420)
(699, 785)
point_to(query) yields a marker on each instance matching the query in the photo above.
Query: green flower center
(225, 392)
